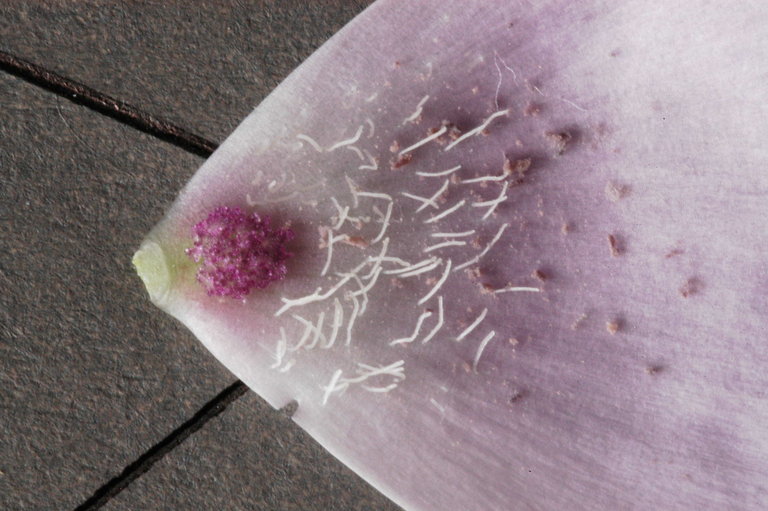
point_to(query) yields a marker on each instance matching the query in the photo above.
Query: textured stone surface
(91, 374)
(203, 65)
(250, 457)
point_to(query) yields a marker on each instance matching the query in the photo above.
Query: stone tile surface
(250, 458)
(91, 374)
(203, 65)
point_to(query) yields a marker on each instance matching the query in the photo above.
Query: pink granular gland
(238, 252)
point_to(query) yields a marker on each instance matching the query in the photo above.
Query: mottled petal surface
(529, 264)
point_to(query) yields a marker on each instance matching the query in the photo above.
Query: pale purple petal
(592, 282)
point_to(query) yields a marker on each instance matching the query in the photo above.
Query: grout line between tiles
(105, 105)
(136, 469)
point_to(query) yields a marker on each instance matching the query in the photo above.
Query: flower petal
(529, 260)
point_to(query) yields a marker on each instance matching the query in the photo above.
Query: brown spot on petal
(615, 192)
(616, 245)
(453, 132)
(674, 252)
(474, 273)
(400, 161)
(517, 169)
(691, 287)
(532, 109)
(558, 140)
(356, 241)
(487, 289)
(654, 369)
(325, 234)
(539, 275)
(517, 396)
(614, 326)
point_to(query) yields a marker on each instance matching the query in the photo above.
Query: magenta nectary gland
(238, 252)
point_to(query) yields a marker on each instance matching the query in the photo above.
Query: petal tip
(151, 265)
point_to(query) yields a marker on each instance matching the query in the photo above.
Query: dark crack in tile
(250, 457)
(202, 65)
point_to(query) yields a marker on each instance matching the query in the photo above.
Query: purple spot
(238, 252)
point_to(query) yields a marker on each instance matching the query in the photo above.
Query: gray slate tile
(250, 458)
(91, 374)
(203, 65)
